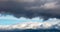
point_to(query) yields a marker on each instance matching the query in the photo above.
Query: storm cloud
(31, 8)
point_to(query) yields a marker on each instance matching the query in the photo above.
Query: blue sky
(9, 20)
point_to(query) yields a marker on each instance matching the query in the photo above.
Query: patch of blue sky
(9, 20)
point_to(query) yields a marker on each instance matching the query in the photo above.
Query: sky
(9, 20)
(19, 11)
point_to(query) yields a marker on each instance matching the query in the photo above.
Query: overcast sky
(15, 11)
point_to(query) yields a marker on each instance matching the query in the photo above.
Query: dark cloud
(29, 9)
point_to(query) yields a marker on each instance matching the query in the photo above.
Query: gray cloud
(32, 8)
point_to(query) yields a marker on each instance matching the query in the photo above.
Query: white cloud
(8, 17)
(51, 23)
(51, 5)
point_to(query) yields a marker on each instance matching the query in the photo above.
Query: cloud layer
(31, 8)
(49, 24)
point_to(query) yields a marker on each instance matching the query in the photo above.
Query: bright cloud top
(49, 24)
